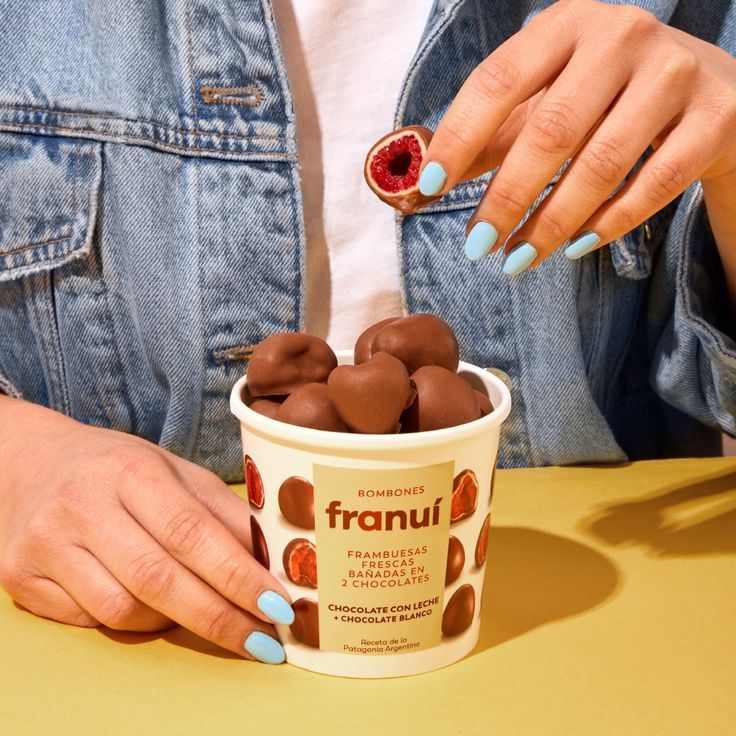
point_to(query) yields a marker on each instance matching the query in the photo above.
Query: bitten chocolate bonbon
(392, 165)
(253, 483)
(481, 546)
(464, 495)
(300, 562)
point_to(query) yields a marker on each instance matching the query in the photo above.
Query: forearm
(720, 201)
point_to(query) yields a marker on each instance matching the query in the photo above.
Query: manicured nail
(582, 245)
(264, 648)
(432, 179)
(519, 259)
(481, 238)
(275, 607)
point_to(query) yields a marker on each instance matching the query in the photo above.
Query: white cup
(382, 535)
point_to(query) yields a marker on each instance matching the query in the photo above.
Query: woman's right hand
(100, 527)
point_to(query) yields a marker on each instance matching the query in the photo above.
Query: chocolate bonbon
(443, 400)
(458, 614)
(300, 562)
(370, 397)
(362, 350)
(260, 548)
(285, 361)
(310, 406)
(419, 340)
(296, 502)
(404, 379)
(306, 622)
(455, 560)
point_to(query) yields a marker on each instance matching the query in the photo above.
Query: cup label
(382, 539)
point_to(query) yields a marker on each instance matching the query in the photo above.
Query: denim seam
(30, 246)
(7, 388)
(684, 266)
(153, 123)
(416, 63)
(244, 155)
(196, 423)
(39, 298)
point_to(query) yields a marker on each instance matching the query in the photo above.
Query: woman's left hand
(595, 84)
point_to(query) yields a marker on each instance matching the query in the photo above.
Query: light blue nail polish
(480, 240)
(432, 179)
(275, 607)
(519, 259)
(582, 245)
(264, 648)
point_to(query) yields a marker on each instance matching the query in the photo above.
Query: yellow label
(381, 557)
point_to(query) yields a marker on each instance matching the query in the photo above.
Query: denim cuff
(702, 308)
(701, 284)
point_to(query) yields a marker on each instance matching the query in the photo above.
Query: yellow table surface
(610, 608)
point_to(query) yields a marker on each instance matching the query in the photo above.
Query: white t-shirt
(346, 63)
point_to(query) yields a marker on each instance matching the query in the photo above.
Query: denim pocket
(48, 201)
(49, 191)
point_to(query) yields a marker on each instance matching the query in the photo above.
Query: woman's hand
(99, 527)
(597, 84)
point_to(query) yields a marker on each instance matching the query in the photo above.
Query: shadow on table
(534, 578)
(177, 636)
(678, 520)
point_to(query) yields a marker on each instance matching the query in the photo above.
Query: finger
(96, 591)
(598, 168)
(513, 73)
(217, 497)
(193, 536)
(48, 599)
(664, 176)
(555, 129)
(153, 576)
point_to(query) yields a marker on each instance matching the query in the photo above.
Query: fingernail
(519, 259)
(275, 607)
(582, 245)
(264, 648)
(481, 238)
(432, 179)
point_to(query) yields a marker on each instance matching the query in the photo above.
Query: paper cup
(379, 539)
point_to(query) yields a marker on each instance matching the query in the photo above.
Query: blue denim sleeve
(689, 321)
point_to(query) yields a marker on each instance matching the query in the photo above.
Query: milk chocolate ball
(458, 614)
(370, 397)
(419, 340)
(363, 345)
(285, 361)
(443, 400)
(310, 406)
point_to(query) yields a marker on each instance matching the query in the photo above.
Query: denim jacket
(151, 233)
